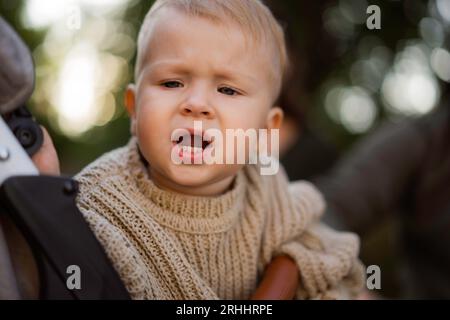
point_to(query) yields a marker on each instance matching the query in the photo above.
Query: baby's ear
(274, 118)
(130, 105)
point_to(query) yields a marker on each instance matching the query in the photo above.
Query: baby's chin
(197, 176)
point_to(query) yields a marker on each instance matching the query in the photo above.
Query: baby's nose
(197, 102)
(198, 110)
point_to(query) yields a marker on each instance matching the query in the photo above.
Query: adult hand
(46, 159)
(280, 280)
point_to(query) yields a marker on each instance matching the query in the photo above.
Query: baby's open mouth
(191, 144)
(193, 141)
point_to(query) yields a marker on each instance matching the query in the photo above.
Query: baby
(178, 227)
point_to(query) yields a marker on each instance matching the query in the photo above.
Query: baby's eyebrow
(176, 66)
(166, 65)
(233, 75)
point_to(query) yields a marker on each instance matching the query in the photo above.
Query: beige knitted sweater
(166, 245)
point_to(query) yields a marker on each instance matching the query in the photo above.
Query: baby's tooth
(190, 150)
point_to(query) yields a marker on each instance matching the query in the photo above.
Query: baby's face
(196, 70)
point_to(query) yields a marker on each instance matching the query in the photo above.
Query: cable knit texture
(166, 245)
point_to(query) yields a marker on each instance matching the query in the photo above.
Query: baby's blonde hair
(251, 15)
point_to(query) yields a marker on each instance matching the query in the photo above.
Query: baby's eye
(172, 84)
(228, 91)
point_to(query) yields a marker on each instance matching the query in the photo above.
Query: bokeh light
(410, 88)
(352, 107)
(440, 62)
(82, 64)
(443, 8)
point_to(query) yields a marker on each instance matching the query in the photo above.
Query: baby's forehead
(172, 32)
(176, 20)
(173, 15)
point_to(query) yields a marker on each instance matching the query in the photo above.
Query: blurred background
(345, 81)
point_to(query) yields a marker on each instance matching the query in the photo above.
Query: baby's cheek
(255, 116)
(148, 147)
(245, 123)
(148, 117)
(152, 132)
